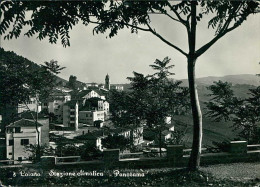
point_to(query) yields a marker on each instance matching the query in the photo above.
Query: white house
(103, 105)
(18, 135)
(89, 117)
(87, 94)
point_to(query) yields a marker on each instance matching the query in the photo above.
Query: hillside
(248, 79)
(6, 56)
(212, 131)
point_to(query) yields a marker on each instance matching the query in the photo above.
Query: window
(24, 141)
(30, 158)
(72, 113)
(10, 153)
(17, 129)
(20, 158)
(11, 142)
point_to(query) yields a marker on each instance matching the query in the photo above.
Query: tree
(244, 113)
(72, 82)
(22, 79)
(113, 16)
(151, 100)
(116, 142)
(44, 150)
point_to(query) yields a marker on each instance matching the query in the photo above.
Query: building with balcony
(20, 134)
(71, 114)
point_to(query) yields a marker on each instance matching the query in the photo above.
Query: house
(31, 105)
(87, 94)
(94, 138)
(117, 87)
(103, 105)
(19, 134)
(71, 114)
(89, 117)
(43, 120)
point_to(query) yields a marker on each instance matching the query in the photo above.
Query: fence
(239, 151)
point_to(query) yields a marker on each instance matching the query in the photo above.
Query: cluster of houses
(72, 111)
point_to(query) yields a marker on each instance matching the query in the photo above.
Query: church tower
(107, 82)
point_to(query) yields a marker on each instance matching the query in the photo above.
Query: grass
(212, 131)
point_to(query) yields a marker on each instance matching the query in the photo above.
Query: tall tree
(152, 99)
(113, 16)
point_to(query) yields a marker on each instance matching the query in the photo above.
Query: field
(212, 131)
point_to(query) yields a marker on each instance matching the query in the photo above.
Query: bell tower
(107, 82)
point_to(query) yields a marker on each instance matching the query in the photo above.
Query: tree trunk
(38, 154)
(160, 142)
(194, 161)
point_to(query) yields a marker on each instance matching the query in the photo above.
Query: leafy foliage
(21, 79)
(152, 98)
(116, 142)
(72, 82)
(44, 150)
(244, 113)
(54, 19)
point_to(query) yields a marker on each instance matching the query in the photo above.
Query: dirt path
(237, 171)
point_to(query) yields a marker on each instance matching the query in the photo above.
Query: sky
(90, 57)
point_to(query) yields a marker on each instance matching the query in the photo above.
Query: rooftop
(24, 123)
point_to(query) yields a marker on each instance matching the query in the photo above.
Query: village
(129, 93)
(80, 117)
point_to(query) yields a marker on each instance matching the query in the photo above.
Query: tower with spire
(107, 82)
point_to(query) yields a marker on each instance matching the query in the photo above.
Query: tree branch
(177, 14)
(172, 17)
(165, 41)
(221, 33)
(214, 40)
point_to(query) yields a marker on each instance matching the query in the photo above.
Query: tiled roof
(24, 123)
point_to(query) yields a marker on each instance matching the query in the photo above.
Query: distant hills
(241, 83)
(234, 79)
